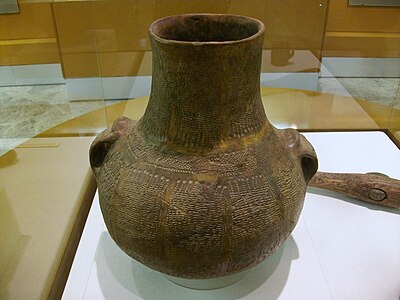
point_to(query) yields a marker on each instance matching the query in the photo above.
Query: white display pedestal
(340, 249)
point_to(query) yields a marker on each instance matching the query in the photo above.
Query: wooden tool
(374, 188)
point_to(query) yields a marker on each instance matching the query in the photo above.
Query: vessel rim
(260, 32)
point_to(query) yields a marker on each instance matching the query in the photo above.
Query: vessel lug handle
(102, 144)
(304, 151)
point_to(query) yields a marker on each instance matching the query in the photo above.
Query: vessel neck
(204, 95)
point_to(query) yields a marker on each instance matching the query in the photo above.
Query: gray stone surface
(397, 102)
(379, 90)
(332, 86)
(25, 111)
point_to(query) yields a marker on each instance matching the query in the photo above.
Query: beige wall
(354, 31)
(109, 38)
(28, 37)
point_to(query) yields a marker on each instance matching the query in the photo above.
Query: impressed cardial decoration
(202, 185)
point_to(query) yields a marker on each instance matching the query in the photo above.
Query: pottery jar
(202, 185)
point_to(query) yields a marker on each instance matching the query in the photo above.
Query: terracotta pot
(202, 185)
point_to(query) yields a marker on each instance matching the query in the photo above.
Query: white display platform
(340, 249)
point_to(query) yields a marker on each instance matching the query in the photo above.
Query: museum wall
(110, 37)
(357, 31)
(30, 36)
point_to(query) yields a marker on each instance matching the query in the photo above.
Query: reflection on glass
(9, 7)
(326, 66)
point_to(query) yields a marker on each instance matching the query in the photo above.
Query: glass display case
(68, 69)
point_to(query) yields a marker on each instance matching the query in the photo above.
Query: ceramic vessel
(202, 186)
